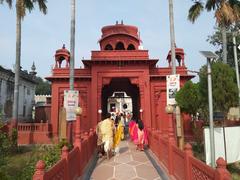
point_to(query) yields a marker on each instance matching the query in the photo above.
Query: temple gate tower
(121, 65)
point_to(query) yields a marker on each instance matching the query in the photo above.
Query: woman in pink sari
(142, 136)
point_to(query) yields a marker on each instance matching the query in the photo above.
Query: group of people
(114, 128)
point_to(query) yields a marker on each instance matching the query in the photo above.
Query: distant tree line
(193, 97)
(43, 87)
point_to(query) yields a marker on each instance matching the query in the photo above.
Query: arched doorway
(121, 85)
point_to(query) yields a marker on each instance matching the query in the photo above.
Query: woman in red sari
(133, 131)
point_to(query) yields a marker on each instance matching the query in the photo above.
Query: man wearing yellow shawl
(107, 131)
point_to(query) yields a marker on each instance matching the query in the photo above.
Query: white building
(27, 85)
(121, 102)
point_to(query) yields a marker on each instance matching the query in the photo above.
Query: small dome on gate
(61, 55)
(119, 37)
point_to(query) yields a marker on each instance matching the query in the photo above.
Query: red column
(54, 111)
(77, 142)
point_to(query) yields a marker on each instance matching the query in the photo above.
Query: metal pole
(236, 67)
(72, 53)
(72, 45)
(224, 140)
(172, 36)
(210, 102)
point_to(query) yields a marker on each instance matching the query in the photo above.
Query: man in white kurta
(107, 131)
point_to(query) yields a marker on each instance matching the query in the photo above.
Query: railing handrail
(71, 164)
(33, 126)
(192, 168)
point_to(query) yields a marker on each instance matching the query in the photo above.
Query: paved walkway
(128, 164)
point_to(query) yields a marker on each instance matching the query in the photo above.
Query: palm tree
(21, 7)
(226, 13)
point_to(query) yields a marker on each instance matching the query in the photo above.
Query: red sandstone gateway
(121, 64)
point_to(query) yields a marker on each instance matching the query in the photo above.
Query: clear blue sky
(43, 35)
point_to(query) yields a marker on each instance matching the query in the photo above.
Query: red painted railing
(33, 127)
(72, 163)
(182, 164)
(34, 133)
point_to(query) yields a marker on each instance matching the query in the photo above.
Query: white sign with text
(173, 85)
(70, 104)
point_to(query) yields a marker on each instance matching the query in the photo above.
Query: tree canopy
(193, 97)
(216, 40)
(43, 87)
(188, 98)
(226, 12)
(224, 87)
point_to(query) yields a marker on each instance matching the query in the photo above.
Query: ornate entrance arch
(109, 69)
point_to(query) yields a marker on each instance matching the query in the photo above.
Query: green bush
(18, 163)
(5, 145)
(54, 153)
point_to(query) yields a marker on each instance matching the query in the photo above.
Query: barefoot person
(100, 144)
(107, 130)
(142, 135)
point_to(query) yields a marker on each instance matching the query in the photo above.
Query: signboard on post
(173, 85)
(70, 104)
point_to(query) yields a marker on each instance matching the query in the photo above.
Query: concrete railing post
(221, 173)
(160, 147)
(171, 142)
(170, 155)
(188, 153)
(39, 171)
(77, 142)
(64, 155)
(86, 139)
(91, 135)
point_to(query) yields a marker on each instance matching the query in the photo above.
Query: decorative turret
(119, 37)
(33, 68)
(60, 56)
(179, 56)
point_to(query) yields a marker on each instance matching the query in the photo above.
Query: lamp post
(100, 114)
(210, 56)
(141, 114)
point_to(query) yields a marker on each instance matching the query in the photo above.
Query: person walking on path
(100, 148)
(119, 135)
(107, 129)
(142, 135)
(133, 130)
